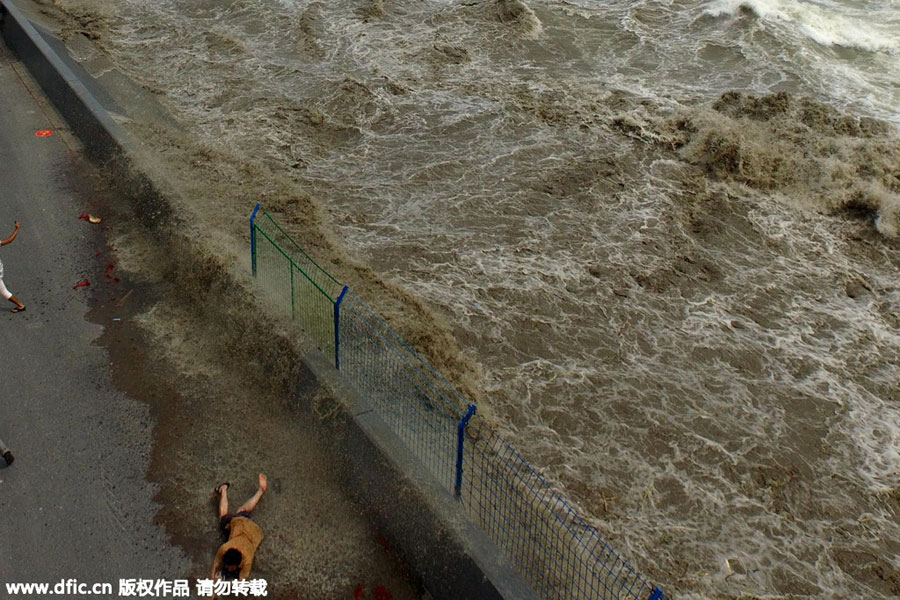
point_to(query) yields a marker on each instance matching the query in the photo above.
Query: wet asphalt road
(75, 504)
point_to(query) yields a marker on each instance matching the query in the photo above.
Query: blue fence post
(337, 329)
(656, 594)
(461, 436)
(253, 238)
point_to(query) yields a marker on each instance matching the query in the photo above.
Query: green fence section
(557, 551)
(295, 283)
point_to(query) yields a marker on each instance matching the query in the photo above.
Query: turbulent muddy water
(666, 230)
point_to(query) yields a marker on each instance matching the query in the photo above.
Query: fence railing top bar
(297, 247)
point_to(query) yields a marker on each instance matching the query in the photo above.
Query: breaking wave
(821, 23)
(803, 151)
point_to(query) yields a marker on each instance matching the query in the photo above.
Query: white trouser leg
(4, 292)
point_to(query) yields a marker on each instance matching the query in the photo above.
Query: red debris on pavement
(84, 283)
(109, 268)
(43, 133)
(382, 593)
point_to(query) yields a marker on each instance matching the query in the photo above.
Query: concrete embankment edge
(420, 520)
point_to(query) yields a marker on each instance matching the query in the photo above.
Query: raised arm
(12, 237)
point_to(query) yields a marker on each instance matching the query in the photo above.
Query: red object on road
(43, 133)
(382, 593)
(84, 283)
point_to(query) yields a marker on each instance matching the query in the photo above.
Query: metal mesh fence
(422, 408)
(318, 277)
(296, 284)
(557, 551)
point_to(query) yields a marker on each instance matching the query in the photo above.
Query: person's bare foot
(263, 482)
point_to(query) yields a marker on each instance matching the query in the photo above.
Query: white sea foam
(876, 431)
(829, 24)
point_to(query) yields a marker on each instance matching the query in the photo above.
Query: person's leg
(5, 453)
(250, 504)
(223, 499)
(5, 293)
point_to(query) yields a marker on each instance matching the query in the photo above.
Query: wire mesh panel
(303, 289)
(318, 277)
(405, 390)
(274, 271)
(313, 311)
(559, 552)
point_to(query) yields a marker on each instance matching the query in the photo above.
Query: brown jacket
(246, 537)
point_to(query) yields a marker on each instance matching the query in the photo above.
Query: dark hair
(233, 558)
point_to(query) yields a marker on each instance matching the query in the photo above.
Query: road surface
(76, 503)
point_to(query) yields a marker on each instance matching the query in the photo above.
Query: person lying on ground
(235, 557)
